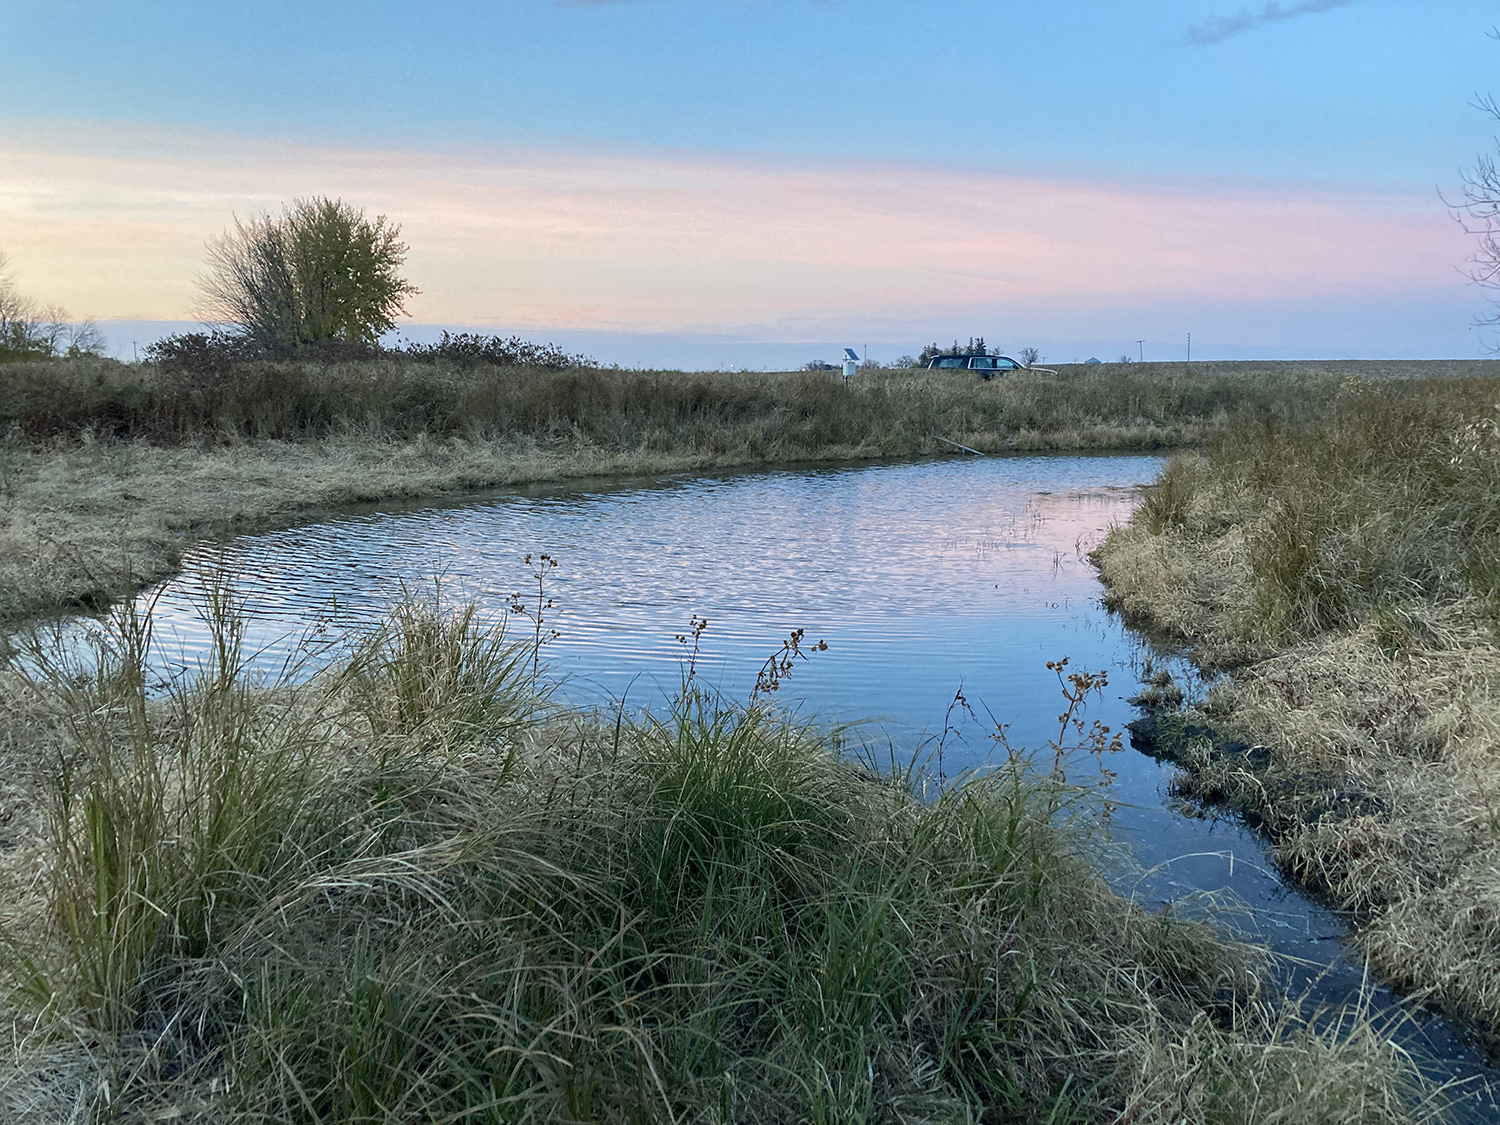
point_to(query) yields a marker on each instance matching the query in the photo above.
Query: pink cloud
(114, 225)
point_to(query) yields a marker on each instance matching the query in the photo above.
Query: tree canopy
(319, 271)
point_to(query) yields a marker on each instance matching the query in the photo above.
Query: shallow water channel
(924, 578)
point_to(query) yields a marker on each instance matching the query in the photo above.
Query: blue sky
(1362, 107)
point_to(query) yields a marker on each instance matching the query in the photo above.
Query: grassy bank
(783, 415)
(1348, 571)
(409, 890)
(106, 468)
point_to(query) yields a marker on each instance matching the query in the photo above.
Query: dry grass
(1344, 571)
(1363, 369)
(785, 415)
(405, 891)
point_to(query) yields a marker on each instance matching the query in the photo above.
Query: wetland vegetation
(1346, 569)
(410, 888)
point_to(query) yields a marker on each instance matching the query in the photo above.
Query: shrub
(465, 350)
(203, 355)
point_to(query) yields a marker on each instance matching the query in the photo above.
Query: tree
(1478, 211)
(319, 271)
(29, 330)
(23, 334)
(1029, 356)
(975, 346)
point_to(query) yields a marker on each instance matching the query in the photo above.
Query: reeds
(401, 891)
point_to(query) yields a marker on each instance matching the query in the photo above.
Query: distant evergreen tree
(975, 346)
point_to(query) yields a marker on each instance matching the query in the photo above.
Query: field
(1347, 571)
(106, 469)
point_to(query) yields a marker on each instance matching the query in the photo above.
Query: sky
(761, 182)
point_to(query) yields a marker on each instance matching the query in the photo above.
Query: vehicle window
(1007, 365)
(982, 363)
(951, 361)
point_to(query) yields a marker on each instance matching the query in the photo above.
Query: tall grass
(768, 414)
(400, 892)
(1392, 495)
(170, 813)
(443, 678)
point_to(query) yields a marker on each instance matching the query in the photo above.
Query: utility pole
(1141, 344)
(1190, 347)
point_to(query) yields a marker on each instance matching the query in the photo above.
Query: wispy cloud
(1221, 28)
(112, 222)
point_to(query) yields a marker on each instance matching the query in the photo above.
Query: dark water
(924, 579)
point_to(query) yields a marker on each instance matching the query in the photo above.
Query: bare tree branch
(32, 331)
(1478, 212)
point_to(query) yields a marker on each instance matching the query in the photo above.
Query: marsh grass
(1346, 569)
(1390, 498)
(772, 415)
(172, 802)
(1165, 502)
(401, 890)
(443, 677)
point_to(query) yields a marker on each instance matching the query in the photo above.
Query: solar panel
(850, 353)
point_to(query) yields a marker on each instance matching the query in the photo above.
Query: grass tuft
(441, 677)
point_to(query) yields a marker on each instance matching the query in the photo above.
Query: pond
(926, 579)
